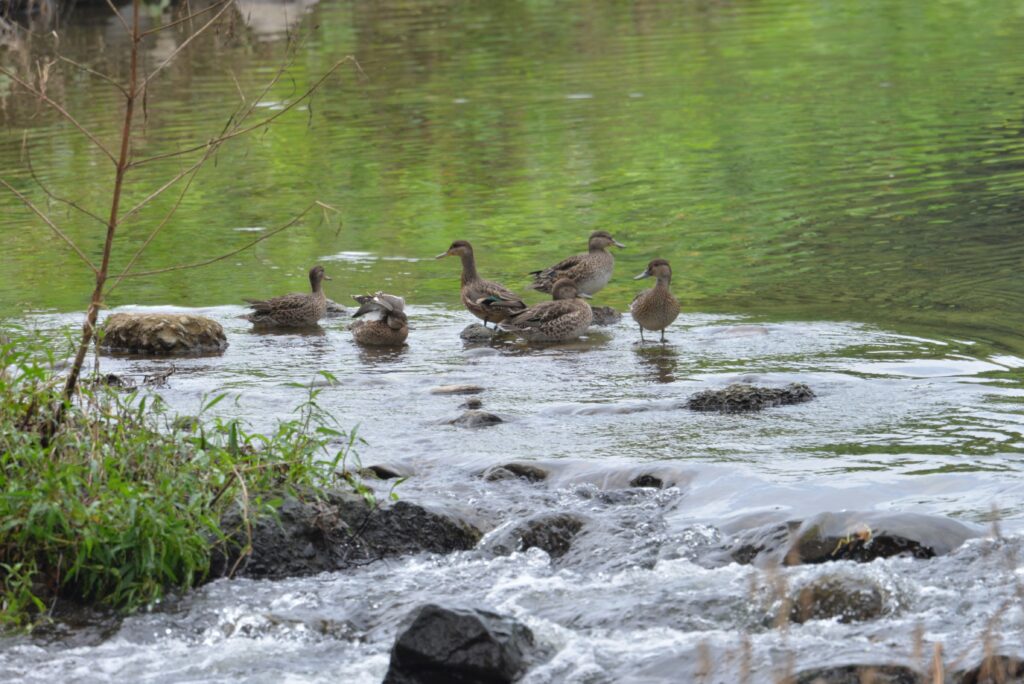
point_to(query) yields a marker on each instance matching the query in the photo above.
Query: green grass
(125, 502)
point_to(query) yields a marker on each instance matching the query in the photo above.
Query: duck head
(602, 239)
(658, 268)
(459, 248)
(564, 289)
(317, 276)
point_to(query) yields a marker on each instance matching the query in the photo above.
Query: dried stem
(98, 74)
(174, 53)
(48, 221)
(53, 196)
(187, 18)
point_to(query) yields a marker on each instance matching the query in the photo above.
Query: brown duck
(485, 299)
(655, 309)
(296, 310)
(386, 324)
(590, 271)
(565, 317)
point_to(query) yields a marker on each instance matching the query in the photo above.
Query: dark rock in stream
(995, 669)
(851, 535)
(605, 315)
(473, 403)
(474, 418)
(457, 389)
(164, 334)
(315, 536)
(335, 310)
(849, 599)
(740, 397)
(551, 532)
(476, 332)
(647, 480)
(460, 646)
(385, 471)
(859, 674)
(513, 471)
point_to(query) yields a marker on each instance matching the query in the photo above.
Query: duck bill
(584, 295)
(327, 277)
(645, 274)
(618, 244)
(442, 255)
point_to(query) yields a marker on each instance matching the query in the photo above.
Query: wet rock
(473, 403)
(474, 418)
(859, 674)
(512, 471)
(460, 646)
(552, 532)
(851, 535)
(164, 334)
(457, 389)
(313, 536)
(646, 480)
(605, 315)
(386, 471)
(995, 669)
(477, 333)
(335, 310)
(740, 397)
(850, 599)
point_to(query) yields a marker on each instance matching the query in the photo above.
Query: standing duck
(296, 310)
(485, 299)
(590, 271)
(565, 317)
(655, 309)
(387, 325)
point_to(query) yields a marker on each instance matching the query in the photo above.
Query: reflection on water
(660, 360)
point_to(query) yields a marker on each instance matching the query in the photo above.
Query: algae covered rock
(848, 599)
(740, 397)
(165, 334)
(605, 315)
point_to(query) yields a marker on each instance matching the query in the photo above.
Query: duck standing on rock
(386, 325)
(296, 310)
(590, 271)
(655, 309)
(565, 317)
(490, 301)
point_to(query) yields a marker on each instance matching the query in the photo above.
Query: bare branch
(162, 189)
(174, 53)
(98, 74)
(120, 17)
(186, 18)
(233, 252)
(32, 172)
(48, 221)
(264, 122)
(45, 98)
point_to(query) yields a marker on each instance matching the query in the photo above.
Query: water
(837, 188)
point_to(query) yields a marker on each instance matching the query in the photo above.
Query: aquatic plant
(124, 502)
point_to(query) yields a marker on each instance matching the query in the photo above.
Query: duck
(387, 326)
(656, 308)
(487, 300)
(296, 310)
(565, 317)
(590, 271)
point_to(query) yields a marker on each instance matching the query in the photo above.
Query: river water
(838, 188)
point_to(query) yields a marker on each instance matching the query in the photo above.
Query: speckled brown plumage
(565, 317)
(387, 325)
(590, 271)
(656, 308)
(487, 300)
(297, 310)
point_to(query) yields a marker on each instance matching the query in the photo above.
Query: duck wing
(288, 302)
(566, 268)
(489, 294)
(539, 314)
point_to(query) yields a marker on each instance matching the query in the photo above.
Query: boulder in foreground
(739, 397)
(460, 646)
(859, 674)
(164, 334)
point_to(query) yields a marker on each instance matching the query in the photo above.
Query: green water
(793, 159)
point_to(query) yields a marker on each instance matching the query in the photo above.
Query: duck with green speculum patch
(590, 271)
(296, 310)
(655, 309)
(487, 300)
(386, 324)
(565, 317)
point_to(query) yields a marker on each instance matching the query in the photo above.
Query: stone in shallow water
(513, 471)
(477, 333)
(849, 599)
(457, 389)
(165, 334)
(552, 532)
(859, 674)
(739, 397)
(335, 310)
(994, 669)
(443, 645)
(605, 315)
(474, 418)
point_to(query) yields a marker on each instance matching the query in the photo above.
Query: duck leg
(641, 334)
(662, 335)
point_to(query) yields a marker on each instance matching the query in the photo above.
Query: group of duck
(382, 320)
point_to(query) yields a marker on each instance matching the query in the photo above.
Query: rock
(335, 310)
(457, 389)
(473, 403)
(460, 646)
(512, 471)
(739, 397)
(385, 471)
(474, 418)
(605, 315)
(850, 599)
(646, 480)
(476, 332)
(552, 532)
(164, 334)
(994, 669)
(314, 536)
(859, 674)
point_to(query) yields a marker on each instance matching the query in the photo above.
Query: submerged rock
(859, 674)
(739, 397)
(552, 532)
(164, 334)
(310, 537)
(476, 332)
(512, 471)
(647, 480)
(605, 315)
(386, 471)
(474, 418)
(457, 389)
(335, 310)
(994, 669)
(460, 646)
(472, 403)
(849, 599)
(851, 535)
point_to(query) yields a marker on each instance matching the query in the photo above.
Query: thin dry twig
(53, 226)
(185, 43)
(56, 106)
(120, 17)
(42, 186)
(187, 18)
(89, 70)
